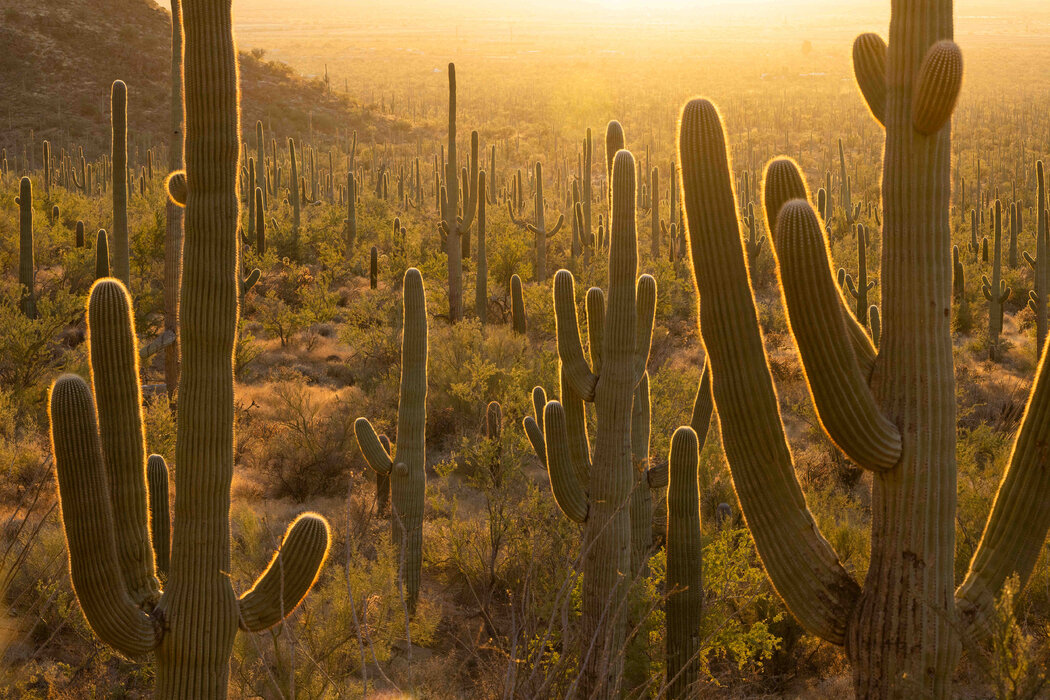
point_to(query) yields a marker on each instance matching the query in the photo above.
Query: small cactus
(26, 257)
(519, 321)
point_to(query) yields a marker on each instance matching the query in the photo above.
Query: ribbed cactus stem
(26, 256)
(157, 482)
(995, 290)
(685, 579)
(101, 254)
(519, 321)
(294, 196)
(373, 268)
(1040, 264)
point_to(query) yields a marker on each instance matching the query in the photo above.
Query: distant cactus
(481, 281)
(995, 290)
(654, 213)
(539, 228)
(26, 257)
(406, 466)
(974, 246)
(373, 268)
(1037, 298)
(119, 232)
(101, 464)
(860, 289)
(78, 236)
(260, 222)
(755, 241)
(350, 222)
(1015, 221)
(101, 254)
(519, 322)
(850, 211)
(294, 197)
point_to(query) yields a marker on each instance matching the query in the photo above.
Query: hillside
(60, 59)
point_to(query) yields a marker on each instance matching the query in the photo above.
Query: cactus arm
(845, 405)
(869, 66)
(576, 424)
(854, 292)
(557, 227)
(118, 397)
(1028, 259)
(470, 202)
(703, 406)
(535, 434)
(937, 87)
(510, 212)
(87, 517)
(645, 309)
(289, 577)
(372, 449)
(1020, 516)
(685, 580)
(565, 482)
(595, 326)
(782, 183)
(803, 567)
(159, 513)
(570, 347)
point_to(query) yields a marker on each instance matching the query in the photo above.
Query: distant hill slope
(60, 58)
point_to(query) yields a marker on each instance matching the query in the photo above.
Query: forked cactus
(539, 228)
(902, 629)
(101, 463)
(595, 489)
(406, 466)
(860, 289)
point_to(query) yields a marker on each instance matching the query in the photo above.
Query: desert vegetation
(392, 382)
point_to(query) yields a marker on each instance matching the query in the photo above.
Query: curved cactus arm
(248, 282)
(118, 397)
(782, 183)
(851, 287)
(367, 439)
(1020, 517)
(177, 187)
(87, 517)
(595, 326)
(159, 511)
(986, 287)
(470, 201)
(645, 310)
(844, 403)
(289, 577)
(534, 426)
(557, 227)
(510, 212)
(869, 67)
(565, 483)
(801, 564)
(937, 87)
(570, 347)
(1028, 259)
(685, 577)
(576, 424)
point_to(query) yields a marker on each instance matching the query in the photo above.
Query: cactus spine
(102, 475)
(119, 155)
(26, 258)
(595, 488)
(995, 290)
(405, 467)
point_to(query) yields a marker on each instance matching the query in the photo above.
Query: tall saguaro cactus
(453, 224)
(405, 468)
(995, 289)
(1040, 263)
(26, 254)
(595, 488)
(901, 630)
(101, 461)
(173, 212)
(685, 573)
(119, 154)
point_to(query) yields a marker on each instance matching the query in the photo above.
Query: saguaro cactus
(685, 578)
(101, 254)
(860, 289)
(119, 155)
(26, 258)
(1040, 263)
(901, 630)
(595, 489)
(294, 196)
(481, 281)
(453, 225)
(539, 228)
(173, 233)
(101, 465)
(405, 467)
(995, 290)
